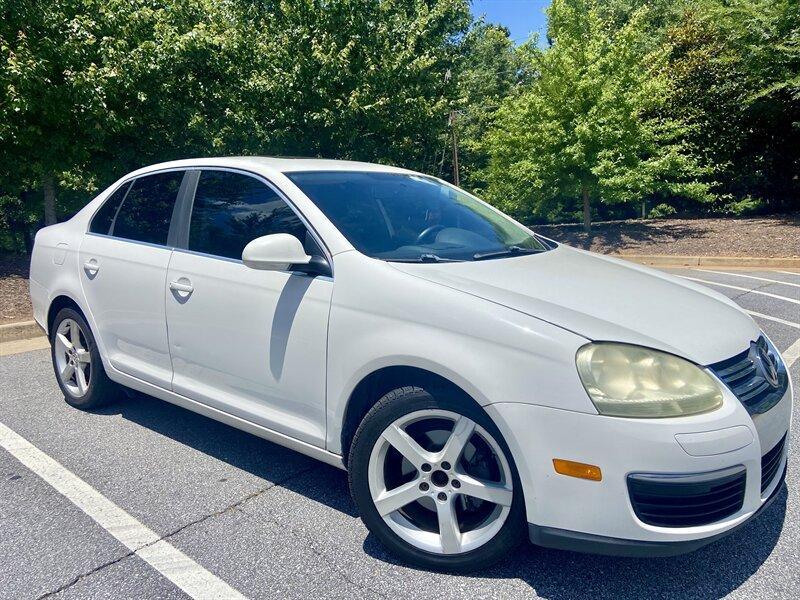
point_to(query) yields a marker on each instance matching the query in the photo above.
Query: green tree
(91, 88)
(590, 126)
(94, 88)
(659, 16)
(489, 69)
(360, 79)
(734, 67)
(52, 96)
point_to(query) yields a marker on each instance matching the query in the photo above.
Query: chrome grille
(745, 376)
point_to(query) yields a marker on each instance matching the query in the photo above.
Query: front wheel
(435, 482)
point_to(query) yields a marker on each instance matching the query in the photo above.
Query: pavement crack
(236, 506)
(83, 576)
(755, 289)
(306, 540)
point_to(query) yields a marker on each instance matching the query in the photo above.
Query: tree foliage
(490, 69)
(688, 103)
(94, 88)
(735, 69)
(591, 124)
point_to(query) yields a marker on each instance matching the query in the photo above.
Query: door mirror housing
(276, 252)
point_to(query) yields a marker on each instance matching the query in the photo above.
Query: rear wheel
(435, 482)
(76, 362)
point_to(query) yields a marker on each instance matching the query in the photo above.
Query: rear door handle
(91, 267)
(179, 286)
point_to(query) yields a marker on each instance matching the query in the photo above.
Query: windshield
(404, 217)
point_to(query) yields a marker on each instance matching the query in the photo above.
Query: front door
(250, 343)
(124, 259)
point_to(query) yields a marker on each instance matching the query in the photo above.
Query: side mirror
(276, 252)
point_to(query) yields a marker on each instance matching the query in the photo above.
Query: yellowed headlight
(630, 381)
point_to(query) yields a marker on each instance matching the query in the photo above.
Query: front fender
(381, 317)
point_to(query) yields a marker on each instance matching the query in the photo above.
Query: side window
(103, 218)
(230, 210)
(147, 210)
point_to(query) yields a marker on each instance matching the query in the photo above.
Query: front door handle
(182, 285)
(91, 267)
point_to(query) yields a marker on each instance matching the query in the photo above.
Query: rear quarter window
(103, 218)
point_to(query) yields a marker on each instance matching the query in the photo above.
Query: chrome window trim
(130, 241)
(187, 204)
(237, 261)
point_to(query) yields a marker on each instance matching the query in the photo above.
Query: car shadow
(237, 448)
(711, 572)
(289, 302)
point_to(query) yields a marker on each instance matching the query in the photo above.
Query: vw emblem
(765, 363)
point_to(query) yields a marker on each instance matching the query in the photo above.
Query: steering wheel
(427, 232)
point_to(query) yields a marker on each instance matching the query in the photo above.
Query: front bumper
(593, 516)
(575, 541)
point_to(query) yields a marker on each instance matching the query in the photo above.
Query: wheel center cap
(439, 478)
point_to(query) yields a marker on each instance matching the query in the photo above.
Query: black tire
(391, 407)
(101, 390)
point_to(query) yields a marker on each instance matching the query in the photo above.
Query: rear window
(147, 210)
(103, 218)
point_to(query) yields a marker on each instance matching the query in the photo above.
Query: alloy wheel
(73, 359)
(440, 481)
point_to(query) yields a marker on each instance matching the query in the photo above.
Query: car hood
(603, 298)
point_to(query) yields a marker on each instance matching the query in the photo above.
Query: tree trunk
(17, 231)
(587, 215)
(49, 190)
(27, 240)
(456, 178)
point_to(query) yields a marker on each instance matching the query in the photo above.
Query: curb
(24, 330)
(656, 260)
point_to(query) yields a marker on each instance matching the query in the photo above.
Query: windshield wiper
(509, 251)
(425, 258)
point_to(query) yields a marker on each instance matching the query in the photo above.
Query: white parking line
(771, 318)
(736, 287)
(792, 354)
(797, 285)
(173, 564)
(789, 273)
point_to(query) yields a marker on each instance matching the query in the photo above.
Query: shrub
(746, 206)
(662, 211)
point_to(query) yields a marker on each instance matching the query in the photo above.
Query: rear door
(124, 259)
(250, 343)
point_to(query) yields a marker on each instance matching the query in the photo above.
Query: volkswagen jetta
(479, 382)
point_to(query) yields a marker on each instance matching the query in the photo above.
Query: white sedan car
(480, 383)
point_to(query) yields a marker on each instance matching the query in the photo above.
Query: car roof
(273, 164)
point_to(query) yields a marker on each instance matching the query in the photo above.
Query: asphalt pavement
(271, 523)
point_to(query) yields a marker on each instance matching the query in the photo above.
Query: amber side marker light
(576, 469)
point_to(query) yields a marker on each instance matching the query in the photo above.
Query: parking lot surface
(266, 522)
